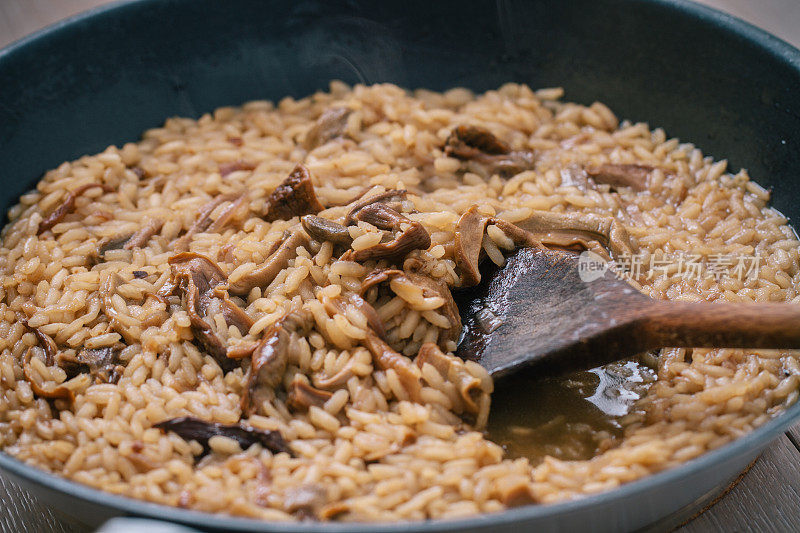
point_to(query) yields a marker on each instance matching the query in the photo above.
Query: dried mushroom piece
(322, 229)
(68, 206)
(305, 501)
(130, 241)
(59, 392)
(302, 396)
(294, 197)
(330, 125)
(263, 275)
(234, 166)
(543, 229)
(453, 370)
(103, 364)
(271, 356)
(467, 245)
(342, 304)
(387, 359)
(194, 429)
(430, 288)
(389, 197)
(203, 284)
(621, 175)
(204, 222)
(479, 145)
(411, 235)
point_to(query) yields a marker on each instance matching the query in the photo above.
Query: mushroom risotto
(252, 313)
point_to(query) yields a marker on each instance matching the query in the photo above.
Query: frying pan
(105, 76)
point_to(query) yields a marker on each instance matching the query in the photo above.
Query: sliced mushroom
(542, 229)
(234, 166)
(341, 305)
(204, 221)
(58, 392)
(558, 228)
(294, 197)
(467, 245)
(103, 364)
(140, 238)
(271, 355)
(305, 501)
(202, 283)
(339, 379)
(386, 197)
(302, 396)
(515, 490)
(453, 370)
(277, 261)
(386, 358)
(621, 175)
(322, 229)
(129, 241)
(413, 237)
(107, 291)
(473, 143)
(194, 429)
(430, 288)
(47, 343)
(68, 206)
(330, 124)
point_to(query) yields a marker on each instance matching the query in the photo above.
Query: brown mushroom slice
(305, 501)
(194, 429)
(473, 143)
(542, 229)
(201, 280)
(58, 392)
(337, 380)
(392, 195)
(341, 305)
(413, 237)
(277, 261)
(203, 221)
(68, 206)
(330, 124)
(234, 166)
(322, 229)
(439, 288)
(107, 291)
(621, 175)
(467, 245)
(430, 288)
(103, 364)
(377, 277)
(46, 342)
(302, 396)
(386, 358)
(552, 228)
(143, 235)
(294, 197)
(454, 371)
(270, 357)
(515, 490)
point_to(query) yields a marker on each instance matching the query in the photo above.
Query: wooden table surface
(766, 498)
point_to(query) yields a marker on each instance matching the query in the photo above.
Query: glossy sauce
(571, 417)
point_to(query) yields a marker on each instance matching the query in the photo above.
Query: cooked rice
(375, 453)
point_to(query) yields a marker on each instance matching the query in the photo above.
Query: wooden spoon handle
(722, 325)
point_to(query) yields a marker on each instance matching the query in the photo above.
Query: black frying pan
(705, 77)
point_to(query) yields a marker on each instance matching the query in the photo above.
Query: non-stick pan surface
(104, 77)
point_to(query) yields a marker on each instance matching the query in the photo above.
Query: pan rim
(754, 440)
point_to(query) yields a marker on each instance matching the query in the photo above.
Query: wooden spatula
(537, 310)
